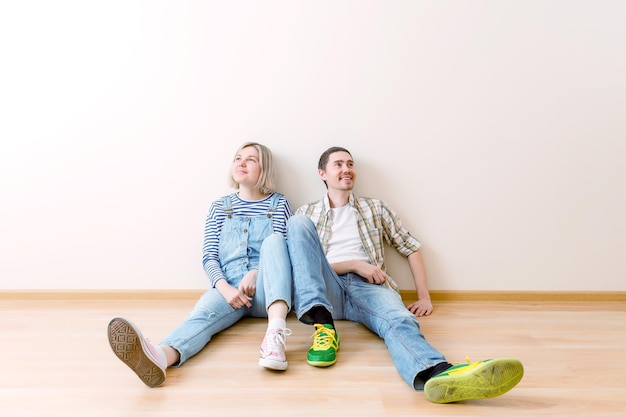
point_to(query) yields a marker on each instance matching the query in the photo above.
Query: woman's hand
(232, 295)
(248, 283)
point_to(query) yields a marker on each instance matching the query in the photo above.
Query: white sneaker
(273, 349)
(140, 354)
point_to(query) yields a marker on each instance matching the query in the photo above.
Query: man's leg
(420, 364)
(314, 281)
(382, 311)
(317, 290)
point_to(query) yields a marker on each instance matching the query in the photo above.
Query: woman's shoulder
(217, 205)
(220, 201)
(281, 197)
(237, 202)
(283, 201)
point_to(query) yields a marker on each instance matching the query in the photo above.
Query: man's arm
(423, 306)
(372, 273)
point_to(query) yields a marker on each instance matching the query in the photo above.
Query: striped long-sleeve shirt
(215, 220)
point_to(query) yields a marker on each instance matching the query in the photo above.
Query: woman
(245, 256)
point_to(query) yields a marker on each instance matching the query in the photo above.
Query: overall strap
(227, 206)
(274, 204)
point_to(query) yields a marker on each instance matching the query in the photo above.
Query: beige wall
(495, 128)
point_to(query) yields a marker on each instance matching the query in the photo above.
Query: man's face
(339, 173)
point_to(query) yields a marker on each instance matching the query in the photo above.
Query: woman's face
(246, 168)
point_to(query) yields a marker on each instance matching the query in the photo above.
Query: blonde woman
(246, 259)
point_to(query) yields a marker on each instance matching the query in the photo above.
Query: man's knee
(299, 222)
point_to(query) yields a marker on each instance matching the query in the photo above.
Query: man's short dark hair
(324, 158)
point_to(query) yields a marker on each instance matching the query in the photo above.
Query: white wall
(495, 128)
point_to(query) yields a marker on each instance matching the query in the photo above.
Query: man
(336, 250)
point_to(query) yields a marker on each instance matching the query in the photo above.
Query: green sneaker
(472, 381)
(323, 352)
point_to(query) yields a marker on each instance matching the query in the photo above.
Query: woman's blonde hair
(265, 184)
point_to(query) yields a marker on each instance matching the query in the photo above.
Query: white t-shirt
(345, 243)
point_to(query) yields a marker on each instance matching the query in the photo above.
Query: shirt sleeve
(210, 247)
(279, 223)
(396, 234)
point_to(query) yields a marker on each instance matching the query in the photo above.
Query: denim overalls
(246, 243)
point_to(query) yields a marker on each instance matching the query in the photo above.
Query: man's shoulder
(316, 203)
(369, 201)
(309, 207)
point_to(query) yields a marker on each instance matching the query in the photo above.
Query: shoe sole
(321, 364)
(127, 343)
(273, 364)
(487, 380)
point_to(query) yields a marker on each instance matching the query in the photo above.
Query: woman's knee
(273, 243)
(274, 239)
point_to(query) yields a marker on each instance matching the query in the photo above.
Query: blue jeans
(212, 313)
(350, 297)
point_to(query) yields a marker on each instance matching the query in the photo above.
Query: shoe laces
(458, 368)
(323, 338)
(276, 338)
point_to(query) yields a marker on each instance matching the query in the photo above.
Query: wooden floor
(57, 362)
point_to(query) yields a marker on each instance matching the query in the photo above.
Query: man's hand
(371, 273)
(421, 307)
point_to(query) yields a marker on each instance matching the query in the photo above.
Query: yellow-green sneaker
(472, 381)
(323, 352)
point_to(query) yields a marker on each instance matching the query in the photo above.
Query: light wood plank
(58, 363)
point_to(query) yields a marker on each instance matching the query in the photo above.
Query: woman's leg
(274, 282)
(274, 295)
(149, 361)
(211, 315)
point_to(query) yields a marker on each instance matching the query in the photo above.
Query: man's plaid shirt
(376, 221)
